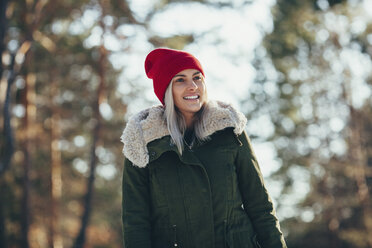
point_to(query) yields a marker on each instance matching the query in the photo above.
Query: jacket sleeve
(256, 200)
(135, 207)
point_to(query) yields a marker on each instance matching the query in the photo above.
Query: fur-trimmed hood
(149, 125)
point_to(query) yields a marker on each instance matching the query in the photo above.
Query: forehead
(187, 72)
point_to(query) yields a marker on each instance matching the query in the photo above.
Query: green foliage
(311, 95)
(304, 88)
(56, 90)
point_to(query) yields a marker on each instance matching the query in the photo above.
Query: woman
(190, 176)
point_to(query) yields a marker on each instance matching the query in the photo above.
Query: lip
(192, 99)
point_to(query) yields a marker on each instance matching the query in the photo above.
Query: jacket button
(171, 144)
(153, 154)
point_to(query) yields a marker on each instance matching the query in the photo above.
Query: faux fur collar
(149, 125)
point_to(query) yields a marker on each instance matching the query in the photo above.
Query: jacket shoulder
(142, 128)
(221, 115)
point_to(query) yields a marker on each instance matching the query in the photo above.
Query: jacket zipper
(175, 236)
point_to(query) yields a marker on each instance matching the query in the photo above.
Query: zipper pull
(175, 236)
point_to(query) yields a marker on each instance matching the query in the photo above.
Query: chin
(193, 110)
(196, 107)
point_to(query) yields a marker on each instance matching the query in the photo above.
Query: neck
(189, 119)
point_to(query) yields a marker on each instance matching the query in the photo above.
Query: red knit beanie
(162, 64)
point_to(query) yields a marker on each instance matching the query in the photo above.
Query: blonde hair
(176, 122)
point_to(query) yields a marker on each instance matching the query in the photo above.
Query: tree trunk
(30, 113)
(26, 168)
(359, 157)
(55, 239)
(80, 240)
(25, 216)
(7, 147)
(6, 151)
(3, 28)
(2, 216)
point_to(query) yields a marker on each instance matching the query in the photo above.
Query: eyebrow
(182, 75)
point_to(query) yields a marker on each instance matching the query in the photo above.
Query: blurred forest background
(67, 88)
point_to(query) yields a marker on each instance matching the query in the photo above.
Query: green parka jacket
(211, 196)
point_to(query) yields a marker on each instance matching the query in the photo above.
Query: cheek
(174, 92)
(203, 88)
(205, 93)
(176, 96)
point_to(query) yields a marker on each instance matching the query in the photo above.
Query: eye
(179, 80)
(197, 78)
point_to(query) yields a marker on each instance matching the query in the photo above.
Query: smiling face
(189, 92)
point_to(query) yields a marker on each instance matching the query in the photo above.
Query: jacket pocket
(242, 239)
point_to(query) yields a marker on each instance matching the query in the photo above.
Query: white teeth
(191, 97)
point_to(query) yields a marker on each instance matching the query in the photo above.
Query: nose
(192, 85)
